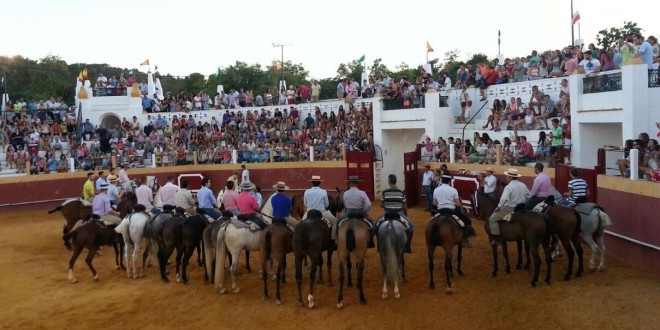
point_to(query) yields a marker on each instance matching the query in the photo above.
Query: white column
(72, 164)
(311, 153)
(452, 154)
(153, 160)
(234, 156)
(634, 164)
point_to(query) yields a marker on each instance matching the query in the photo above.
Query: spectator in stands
(527, 122)
(644, 51)
(590, 65)
(526, 152)
(536, 100)
(62, 164)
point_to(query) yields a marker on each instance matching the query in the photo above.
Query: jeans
(466, 221)
(429, 197)
(347, 213)
(411, 226)
(255, 219)
(213, 213)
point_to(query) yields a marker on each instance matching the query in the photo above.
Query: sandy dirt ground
(35, 293)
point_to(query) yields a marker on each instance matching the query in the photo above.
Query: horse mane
(314, 214)
(519, 207)
(550, 200)
(139, 208)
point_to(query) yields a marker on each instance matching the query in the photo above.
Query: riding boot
(496, 240)
(408, 248)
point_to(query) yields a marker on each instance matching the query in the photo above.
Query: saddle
(453, 217)
(85, 202)
(241, 222)
(586, 208)
(369, 224)
(392, 217)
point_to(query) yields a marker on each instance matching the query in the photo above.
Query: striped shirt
(578, 188)
(393, 200)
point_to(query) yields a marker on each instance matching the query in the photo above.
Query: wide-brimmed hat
(316, 178)
(246, 185)
(280, 185)
(512, 172)
(353, 178)
(103, 186)
(112, 178)
(489, 169)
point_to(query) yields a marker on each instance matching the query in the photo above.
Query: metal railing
(654, 78)
(109, 91)
(602, 83)
(404, 103)
(444, 101)
(471, 119)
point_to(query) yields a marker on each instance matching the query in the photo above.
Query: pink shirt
(542, 186)
(570, 66)
(145, 196)
(168, 193)
(230, 200)
(247, 204)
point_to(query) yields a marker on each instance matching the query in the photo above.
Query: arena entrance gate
(410, 175)
(563, 175)
(362, 165)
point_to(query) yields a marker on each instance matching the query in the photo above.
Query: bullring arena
(36, 294)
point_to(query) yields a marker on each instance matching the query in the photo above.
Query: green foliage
(353, 70)
(378, 69)
(607, 38)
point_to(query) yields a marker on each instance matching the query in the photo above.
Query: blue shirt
(316, 199)
(646, 54)
(205, 198)
(281, 205)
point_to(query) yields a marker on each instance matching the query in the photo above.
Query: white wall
(395, 142)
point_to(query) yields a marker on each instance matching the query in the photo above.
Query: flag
(428, 47)
(80, 76)
(499, 35)
(84, 74)
(144, 63)
(576, 17)
(277, 66)
(361, 59)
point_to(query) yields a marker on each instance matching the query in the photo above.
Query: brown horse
(336, 203)
(310, 238)
(353, 238)
(73, 210)
(443, 231)
(524, 225)
(298, 206)
(189, 235)
(92, 235)
(275, 243)
(566, 224)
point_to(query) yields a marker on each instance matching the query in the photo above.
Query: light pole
(282, 62)
(572, 32)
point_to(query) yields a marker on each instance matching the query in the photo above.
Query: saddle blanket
(363, 219)
(507, 217)
(453, 217)
(240, 224)
(399, 219)
(586, 208)
(325, 220)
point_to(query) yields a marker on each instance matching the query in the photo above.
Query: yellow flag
(428, 47)
(144, 63)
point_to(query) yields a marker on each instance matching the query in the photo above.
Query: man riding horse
(578, 190)
(248, 206)
(281, 204)
(541, 189)
(514, 193)
(394, 200)
(101, 207)
(356, 201)
(316, 198)
(447, 201)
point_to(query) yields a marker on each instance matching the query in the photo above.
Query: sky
(182, 37)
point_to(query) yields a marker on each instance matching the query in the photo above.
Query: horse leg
(298, 266)
(233, 268)
(505, 252)
(76, 252)
(384, 295)
(283, 279)
(495, 266)
(569, 253)
(529, 260)
(186, 259)
(65, 230)
(537, 264)
(122, 247)
(448, 272)
(329, 267)
(349, 267)
(247, 262)
(177, 258)
(116, 248)
(264, 275)
(127, 256)
(431, 255)
(360, 269)
(601, 248)
(136, 253)
(162, 263)
(459, 258)
(340, 295)
(580, 253)
(383, 267)
(278, 277)
(594, 249)
(200, 254)
(520, 249)
(88, 261)
(548, 259)
(320, 269)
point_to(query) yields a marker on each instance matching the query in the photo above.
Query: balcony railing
(602, 83)
(654, 78)
(109, 91)
(444, 101)
(403, 103)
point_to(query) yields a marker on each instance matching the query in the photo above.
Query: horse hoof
(363, 301)
(518, 267)
(73, 280)
(135, 276)
(601, 268)
(448, 291)
(431, 286)
(97, 278)
(300, 304)
(461, 274)
(567, 278)
(117, 267)
(330, 284)
(405, 280)
(349, 285)
(278, 302)
(384, 296)
(547, 282)
(593, 269)
(532, 285)
(493, 275)
(237, 290)
(129, 275)
(397, 295)
(178, 279)
(249, 270)
(340, 305)
(508, 271)
(222, 290)
(165, 279)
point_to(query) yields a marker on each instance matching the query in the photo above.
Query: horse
(594, 223)
(566, 223)
(132, 229)
(190, 233)
(162, 232)
(336, 203)
(392, 240)
(233, 238)
(524, 225)
(353, 238)
(443, 231)
(73, 210)
(91, 235)
(275, 243)
(310, 238)
(209, 239)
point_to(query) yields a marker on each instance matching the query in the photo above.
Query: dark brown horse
(73, 210)
(310, 238)
(189, 235)
(92, 235)
(275, 243)
(353, 238)
(209, 240)
(298, 206)
(162, 232)
(443, 231)
(524, 225)
(566, 223)
(336, 203)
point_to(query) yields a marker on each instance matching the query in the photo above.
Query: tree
(353, 70)
(378, 69)
(606, 38)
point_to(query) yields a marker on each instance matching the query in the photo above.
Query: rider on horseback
(101, 207)
(514, 193)
(247, 205)
(446, 199)
(394, 200)
(281, 204)
(355, 201)
(578, 190)
(541, 189)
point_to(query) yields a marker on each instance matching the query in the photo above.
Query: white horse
(132, 229)
(233, 239)
(593, 229)
(391, 243)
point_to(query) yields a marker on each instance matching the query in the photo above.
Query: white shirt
(426, 179)
(245, 177)
(514, 193)
(445, 195)
(590, 66)
(168, 193)
(447, 83)
(490, 184)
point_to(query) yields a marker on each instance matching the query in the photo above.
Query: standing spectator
(304, 93)
(427, 179)
(644, 51)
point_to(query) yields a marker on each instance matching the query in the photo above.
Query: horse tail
(579, 222)
(392, 271)
(604, 219)
(269, 243)
(304, 239)
(220, 255)
(71, 235)
(350, 240)
(435, 233)
(59, 208)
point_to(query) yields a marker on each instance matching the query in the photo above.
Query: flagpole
(572, 26)
(579, 34)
